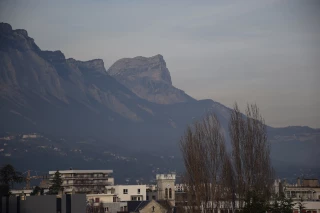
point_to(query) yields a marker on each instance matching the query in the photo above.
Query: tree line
(240, 179)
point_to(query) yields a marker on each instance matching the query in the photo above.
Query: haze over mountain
(133, 109)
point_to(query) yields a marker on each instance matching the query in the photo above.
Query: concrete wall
(13, 205)
(45, 204)
(78, 203)
(39, 204)
(3, 204)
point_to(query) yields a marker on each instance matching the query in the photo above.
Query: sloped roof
(135, 206)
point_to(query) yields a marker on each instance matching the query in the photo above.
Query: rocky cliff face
(149, 78)
(30, 76)
(42, 91)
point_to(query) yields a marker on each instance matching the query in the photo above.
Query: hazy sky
(266, 52)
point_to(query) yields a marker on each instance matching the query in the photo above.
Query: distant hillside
(137, 110)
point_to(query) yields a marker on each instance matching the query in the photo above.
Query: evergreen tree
(56, 183)
(282, 204)
(9, 176)
(37, 190)
(255, 203)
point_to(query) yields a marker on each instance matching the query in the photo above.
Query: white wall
(310, 205)
(104, 198)
(132, 190)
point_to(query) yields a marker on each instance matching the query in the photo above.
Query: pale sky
(267, 52)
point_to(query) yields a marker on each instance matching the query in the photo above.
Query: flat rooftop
(80, 171)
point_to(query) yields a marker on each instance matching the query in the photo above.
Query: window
(170, 193)
(166, 193)
(125, 191)
(153, 197)
(138, 198)
(138, 191)
(114, 199)
(147, 197)
(97, 200)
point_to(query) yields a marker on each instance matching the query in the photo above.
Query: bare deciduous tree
(203, 150)
(217, 179)
(250, 154)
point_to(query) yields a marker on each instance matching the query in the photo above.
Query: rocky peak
(5, 28)
(16, 39)
(53, 56)
(153, 68)
(95, 64)
(149, 78)
(22, 32)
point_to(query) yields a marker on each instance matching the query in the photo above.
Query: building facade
(128, 192)
(85, 181)
(166, 187)
(306, 191)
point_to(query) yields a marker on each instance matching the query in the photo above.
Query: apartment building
(307, 191)
(119, 193)
(85, 181)
(115, 198)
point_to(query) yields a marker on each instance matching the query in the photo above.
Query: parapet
(166, 176)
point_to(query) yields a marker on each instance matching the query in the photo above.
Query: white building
(85, 181)
(128, 192)
(114, 198)
(307, 190)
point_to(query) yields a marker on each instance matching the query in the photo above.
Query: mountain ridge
(42, 91)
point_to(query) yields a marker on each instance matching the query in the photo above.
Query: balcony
(88, 184)
(85, 178)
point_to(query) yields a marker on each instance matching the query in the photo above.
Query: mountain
(42, 91)
(149, 78)
(78, 105)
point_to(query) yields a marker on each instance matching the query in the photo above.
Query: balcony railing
(87, 184)
(85, 177)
